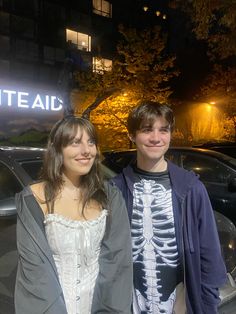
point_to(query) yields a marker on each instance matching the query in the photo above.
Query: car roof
(203, 150)
(220, 156)
(180, 148)
(22, 153)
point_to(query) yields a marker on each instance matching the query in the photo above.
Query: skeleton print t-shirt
(155, 253)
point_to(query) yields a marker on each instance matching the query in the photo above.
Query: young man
(177, 260)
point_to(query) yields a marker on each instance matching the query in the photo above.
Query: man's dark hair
(145, 114)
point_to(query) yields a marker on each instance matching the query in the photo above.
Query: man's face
(152, 142)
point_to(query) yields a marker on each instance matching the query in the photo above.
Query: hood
(181, 179)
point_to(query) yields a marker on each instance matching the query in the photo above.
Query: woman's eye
(75, 143)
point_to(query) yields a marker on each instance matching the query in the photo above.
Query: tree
(214, 21)
(141, 70)
(141, 67)
(220, 86)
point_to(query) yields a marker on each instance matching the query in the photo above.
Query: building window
(26, 50)
(78, 40)
(4, 67)
(102, 7)
(52, 55)
(4, 22)
(22, 27)
(100, 65)
(5, 47)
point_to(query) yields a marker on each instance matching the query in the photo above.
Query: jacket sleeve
(113, 289)
(213, 270)
(36, 289)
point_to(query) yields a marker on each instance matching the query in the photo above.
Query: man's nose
(155, 136)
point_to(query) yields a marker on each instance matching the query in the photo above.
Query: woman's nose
(85, 150)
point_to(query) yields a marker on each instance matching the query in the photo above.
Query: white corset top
(75, 247)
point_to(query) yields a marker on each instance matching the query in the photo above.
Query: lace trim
(49, 218)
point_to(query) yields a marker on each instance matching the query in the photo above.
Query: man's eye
(165, 130)
(146, 130)
(91, 142)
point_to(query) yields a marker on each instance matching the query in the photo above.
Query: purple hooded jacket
(196, 233)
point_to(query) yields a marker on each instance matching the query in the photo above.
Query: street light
(208, 107)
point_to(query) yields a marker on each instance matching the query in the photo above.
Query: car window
(32, 167)
(9, 185)
(230, 151)
(209, 169)
(172, 156)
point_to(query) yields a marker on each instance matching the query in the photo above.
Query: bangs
(69, 133)
(71, 129)
(147, 120)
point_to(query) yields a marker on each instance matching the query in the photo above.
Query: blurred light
(164, 16)
(125, 94)
(158, 13)
(212, 102)
(145, 8)
(208, 107)
(230, 246)
(83, 43)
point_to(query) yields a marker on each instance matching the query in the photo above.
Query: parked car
(227, 148)
(216, 170)
(18, 168)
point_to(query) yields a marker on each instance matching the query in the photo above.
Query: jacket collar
(181, 179)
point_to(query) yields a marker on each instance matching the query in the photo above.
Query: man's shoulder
(175, 169)
(181, 178)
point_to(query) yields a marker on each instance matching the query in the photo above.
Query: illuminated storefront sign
(29, 100)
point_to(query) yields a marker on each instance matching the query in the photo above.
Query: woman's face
(79, 155)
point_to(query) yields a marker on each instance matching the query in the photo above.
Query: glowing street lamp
(208, 107)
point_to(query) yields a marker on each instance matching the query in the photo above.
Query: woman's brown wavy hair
(61, 135)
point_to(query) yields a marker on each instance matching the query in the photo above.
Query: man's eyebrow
(165, 127)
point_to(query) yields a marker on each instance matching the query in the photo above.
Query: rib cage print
(154, 247)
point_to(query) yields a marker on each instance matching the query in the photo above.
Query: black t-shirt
(155, 252)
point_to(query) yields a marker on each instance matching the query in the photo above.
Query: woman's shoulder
(38, 189)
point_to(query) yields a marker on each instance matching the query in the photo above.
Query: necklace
(73, 194)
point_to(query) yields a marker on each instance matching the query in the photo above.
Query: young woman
(73, 234)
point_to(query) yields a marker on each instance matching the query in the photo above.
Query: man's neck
(152, 166)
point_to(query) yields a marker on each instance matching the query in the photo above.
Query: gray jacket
(38, 290)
